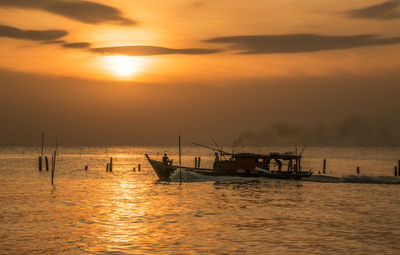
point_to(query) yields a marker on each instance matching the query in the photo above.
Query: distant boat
(273, 165)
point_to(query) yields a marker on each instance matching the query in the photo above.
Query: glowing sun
(123, 66)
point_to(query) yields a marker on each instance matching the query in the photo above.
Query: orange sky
(187, 24)
(305, 63)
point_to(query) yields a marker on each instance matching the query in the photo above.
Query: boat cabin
(250, 162)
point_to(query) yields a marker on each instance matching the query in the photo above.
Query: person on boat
(216, 156)
(165, 159)
(216, 160)
(279, 164)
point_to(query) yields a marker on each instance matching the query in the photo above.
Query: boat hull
(164, 172)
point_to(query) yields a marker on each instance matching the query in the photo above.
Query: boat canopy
(272, 155)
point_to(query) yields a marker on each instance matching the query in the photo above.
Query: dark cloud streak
(384, 11)
(83, 11)
(151, 50)
(295, 43)
(77, 45)
(35, 35)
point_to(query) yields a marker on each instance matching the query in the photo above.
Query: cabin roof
(272, 155)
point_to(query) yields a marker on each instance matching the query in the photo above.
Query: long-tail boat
(273, 165)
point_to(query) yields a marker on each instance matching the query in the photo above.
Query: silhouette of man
(165, 159)
(279, 164)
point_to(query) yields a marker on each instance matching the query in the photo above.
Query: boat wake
(355, 179)
(188, 176)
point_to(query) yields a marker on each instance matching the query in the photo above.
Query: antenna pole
(180, 168)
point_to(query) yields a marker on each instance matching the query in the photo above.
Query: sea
(128, 211)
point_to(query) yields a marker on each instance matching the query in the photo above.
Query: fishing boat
(272, 165)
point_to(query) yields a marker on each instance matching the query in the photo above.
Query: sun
(123, 66)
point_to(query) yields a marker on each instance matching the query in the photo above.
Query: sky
(270, 72)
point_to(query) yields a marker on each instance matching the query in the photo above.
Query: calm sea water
(127, 212)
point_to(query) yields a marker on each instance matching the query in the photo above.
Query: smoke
(351, 131)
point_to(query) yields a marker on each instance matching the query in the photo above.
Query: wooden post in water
(198, 163)
(53, 166)
(57, 146)
(42, 143)
(86, 168)
(111, 165)
(180, 167)
(107, 167)
(195, 162)
(47, 163)
(358, 170)
(139, 167)
(395, 171)
(134, 169)
(398, 168)
(40, 163)
(324, 167)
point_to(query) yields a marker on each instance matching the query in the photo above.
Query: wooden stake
(398, 168)
(40, 163)
(107, 167)
(111, 165)
(53, 167)
(42, 143)
(198, 163)
(195, 162)
(324, 167)
(47, 163)
(358, 170)
(57, 146)
(180, 167)
(86, 168)
(395, 171)
(139, 167)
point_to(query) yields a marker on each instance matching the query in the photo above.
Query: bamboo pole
(57, 146)
(42, 143)
(53, 166)
(40, 163)
(398, 168)
(180, 167)
(47, 163)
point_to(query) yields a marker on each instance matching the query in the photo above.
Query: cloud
(151, 50)
(77, 45)
(35, 35)
(53, 42)
(294, 43)
(383, 11)
(83, 11)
